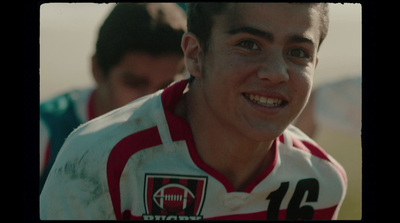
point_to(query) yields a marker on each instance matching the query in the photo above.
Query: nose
(273, 68)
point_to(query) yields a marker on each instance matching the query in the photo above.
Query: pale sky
(68, 33)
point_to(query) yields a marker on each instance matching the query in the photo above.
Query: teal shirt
(60, 117)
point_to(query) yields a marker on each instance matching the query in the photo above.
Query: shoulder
(306, 161)
(79, 174)
(306, 149)
(86, 150)
(300, 140)
(107, 130)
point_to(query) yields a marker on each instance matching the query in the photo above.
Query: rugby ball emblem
(173, 197)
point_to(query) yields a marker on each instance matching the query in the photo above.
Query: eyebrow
(268, 35)
(253, 31)
(300, 39)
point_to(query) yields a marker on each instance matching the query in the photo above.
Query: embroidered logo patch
(174, 197)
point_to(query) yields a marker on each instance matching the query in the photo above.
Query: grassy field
(346, 149)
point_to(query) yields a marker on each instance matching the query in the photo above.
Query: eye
(299, 53)
(134, 81)
(249, 44)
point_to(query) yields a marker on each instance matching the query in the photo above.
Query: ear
(96, 71)
(191, 49)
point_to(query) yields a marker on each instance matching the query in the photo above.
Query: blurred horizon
(68, 33)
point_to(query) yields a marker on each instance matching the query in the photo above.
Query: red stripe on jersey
(318, 152)
(324, 214)
(281, 139)
(267, 171)
(171, 94)
(199, 194)
(308, 147)
(120, 155)
(150, 184)
(46, 155)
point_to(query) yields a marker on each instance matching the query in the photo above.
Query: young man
(221, 147)
(137, 53)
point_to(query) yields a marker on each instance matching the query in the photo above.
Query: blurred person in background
(335, 104)
(137, 53)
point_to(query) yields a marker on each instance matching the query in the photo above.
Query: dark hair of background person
(139, 27)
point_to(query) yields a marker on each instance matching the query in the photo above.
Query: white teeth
(261, 100)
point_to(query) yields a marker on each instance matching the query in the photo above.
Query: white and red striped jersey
(140, 162)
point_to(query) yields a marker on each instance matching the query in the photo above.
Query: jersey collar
(180, 130)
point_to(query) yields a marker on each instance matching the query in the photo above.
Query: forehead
(277, 18)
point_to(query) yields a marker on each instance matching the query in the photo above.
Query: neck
(224, 148)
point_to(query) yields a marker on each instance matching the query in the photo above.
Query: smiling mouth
(265, 101)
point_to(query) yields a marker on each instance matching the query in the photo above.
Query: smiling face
(256, 75)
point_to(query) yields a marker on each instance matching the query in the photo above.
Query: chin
(265, 133)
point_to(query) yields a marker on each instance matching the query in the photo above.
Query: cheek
(228, 72)
(217, 84)
(301, 85)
